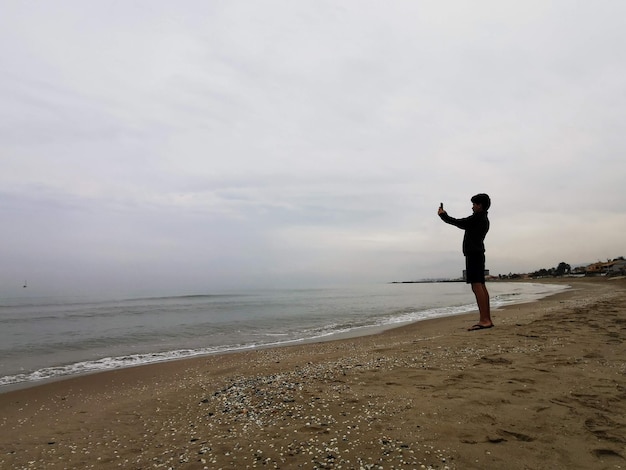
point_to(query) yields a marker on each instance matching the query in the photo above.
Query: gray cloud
(198, 146)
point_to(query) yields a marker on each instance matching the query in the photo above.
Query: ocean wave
(311, 321)
(110, 363)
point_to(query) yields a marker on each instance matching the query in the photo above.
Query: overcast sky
(194, 146)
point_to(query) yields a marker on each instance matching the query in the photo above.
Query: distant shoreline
(516, 279)
(427, 281)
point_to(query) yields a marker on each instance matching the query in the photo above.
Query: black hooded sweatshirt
(476, 227)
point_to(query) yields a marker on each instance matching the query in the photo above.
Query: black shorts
(475, 268)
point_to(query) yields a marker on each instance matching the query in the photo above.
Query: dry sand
(544, 389)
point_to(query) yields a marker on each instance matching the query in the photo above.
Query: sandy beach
(544, 389)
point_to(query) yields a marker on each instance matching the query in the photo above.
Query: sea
(50, 338)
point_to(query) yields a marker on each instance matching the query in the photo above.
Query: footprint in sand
(607, 454)
(605, 428)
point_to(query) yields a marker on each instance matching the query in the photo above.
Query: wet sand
(544, 389)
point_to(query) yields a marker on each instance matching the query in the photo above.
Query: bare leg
(482, 299)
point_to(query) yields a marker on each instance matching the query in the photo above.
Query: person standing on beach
(476, 227)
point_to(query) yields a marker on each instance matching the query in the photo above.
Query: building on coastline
(614, 267)
(598, 268)
(618, 267)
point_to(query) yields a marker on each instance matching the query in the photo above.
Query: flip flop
(479, 327)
